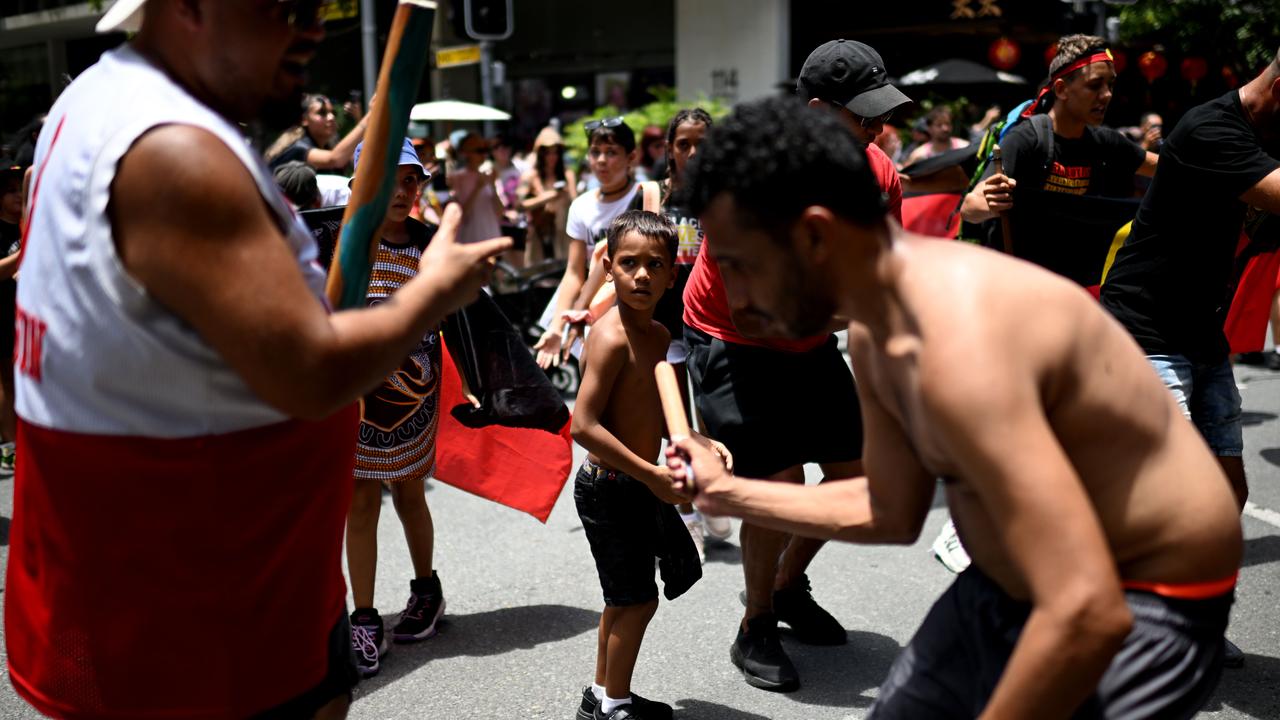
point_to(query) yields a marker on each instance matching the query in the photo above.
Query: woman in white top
(612, 155)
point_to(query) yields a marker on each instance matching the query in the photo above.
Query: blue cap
(408, 156)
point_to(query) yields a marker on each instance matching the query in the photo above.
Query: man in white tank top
(185, 399)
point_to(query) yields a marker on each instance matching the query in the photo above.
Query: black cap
(851, 74)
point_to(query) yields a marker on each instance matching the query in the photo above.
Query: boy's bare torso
(633, 412)
(980, 323)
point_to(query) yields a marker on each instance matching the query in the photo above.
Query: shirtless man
(1105, 543)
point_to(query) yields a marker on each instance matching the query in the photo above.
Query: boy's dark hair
(690, 115)
(937, 114)
(621, 135)
(648, 224)
(297, 180)
(777, 156)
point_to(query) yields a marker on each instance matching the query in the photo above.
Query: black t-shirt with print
(1101, 162)
(1172, 282)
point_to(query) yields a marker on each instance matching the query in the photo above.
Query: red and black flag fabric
(1256, 277)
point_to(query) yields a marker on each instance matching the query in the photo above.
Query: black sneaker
(368, 640)
(647, 708)
(1271, 363)
(811, 624)
(759, 655)
(1232, 656)
(426, 605)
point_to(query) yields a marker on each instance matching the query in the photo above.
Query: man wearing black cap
(780, 403)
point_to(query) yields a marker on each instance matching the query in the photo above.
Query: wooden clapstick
(1006, 236)
(672, 405)
(403, 62)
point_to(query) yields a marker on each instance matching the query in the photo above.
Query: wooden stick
(1006, 235)
(672, 405)
(399, 79)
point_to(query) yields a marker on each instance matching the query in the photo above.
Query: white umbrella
(455, 110)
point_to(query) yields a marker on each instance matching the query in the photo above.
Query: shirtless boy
(1104, 537)
(622, 496)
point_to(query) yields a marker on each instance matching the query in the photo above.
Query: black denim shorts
(619, 517)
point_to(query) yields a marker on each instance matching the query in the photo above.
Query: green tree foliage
(1242, 34)
(659, 112)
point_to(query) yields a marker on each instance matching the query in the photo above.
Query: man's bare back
(991, 348)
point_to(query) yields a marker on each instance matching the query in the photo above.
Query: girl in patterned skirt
(397, 445)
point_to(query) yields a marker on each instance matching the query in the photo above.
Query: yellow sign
(455, 56)
(339, 10)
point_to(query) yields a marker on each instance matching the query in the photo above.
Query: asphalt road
(523, 602)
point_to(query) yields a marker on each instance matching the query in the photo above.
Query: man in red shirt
(780, 403)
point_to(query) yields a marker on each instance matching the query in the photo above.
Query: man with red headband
(1061, 147)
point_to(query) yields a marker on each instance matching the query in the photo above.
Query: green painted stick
(408, 47)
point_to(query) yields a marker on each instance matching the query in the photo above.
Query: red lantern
(1229, 77)
(1119, 60)
(1050, 53)
(1004, 54)
(1193, 70)
(1152, 65)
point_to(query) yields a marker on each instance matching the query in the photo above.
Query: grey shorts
(1166, 669)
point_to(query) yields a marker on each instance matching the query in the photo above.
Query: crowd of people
(1089, 448)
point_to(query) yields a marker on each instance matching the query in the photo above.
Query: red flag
(933, 214)
(1246, 325)
(521, 468)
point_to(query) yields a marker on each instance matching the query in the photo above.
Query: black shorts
(1166, 669)
(340, 677)
(775, 409)
(619, 517)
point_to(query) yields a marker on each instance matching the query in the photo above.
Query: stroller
(522, 294)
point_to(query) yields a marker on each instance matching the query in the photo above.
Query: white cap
(124, 16)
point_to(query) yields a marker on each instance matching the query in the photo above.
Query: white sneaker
(717, 527)
(949, 551)
(694, 525)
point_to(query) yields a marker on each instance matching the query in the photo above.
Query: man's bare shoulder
(185, 174)
(989, 319)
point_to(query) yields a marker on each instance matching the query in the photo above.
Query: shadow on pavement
(703, 710)
(494, 632)
(1261, 550)
(1271, 455)
(725, 553)
(4, 532)
(1252, 417)
(841, 676)
(1250, 690)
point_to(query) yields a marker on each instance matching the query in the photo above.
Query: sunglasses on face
(593, 125)
(865, 122)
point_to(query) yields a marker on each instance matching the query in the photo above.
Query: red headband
(1090, 57)
(1096, 55)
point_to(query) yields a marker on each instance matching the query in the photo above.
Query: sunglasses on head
(593, 125)
(303, 13)
(865, 122)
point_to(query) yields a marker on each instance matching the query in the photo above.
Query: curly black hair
(777, 156)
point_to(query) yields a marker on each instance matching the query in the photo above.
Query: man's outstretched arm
(191, 228)
(888, 505)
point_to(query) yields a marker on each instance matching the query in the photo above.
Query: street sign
(455, 56)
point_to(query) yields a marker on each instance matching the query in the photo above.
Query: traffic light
(485, 19)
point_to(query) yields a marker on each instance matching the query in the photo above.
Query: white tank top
(95, 353)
